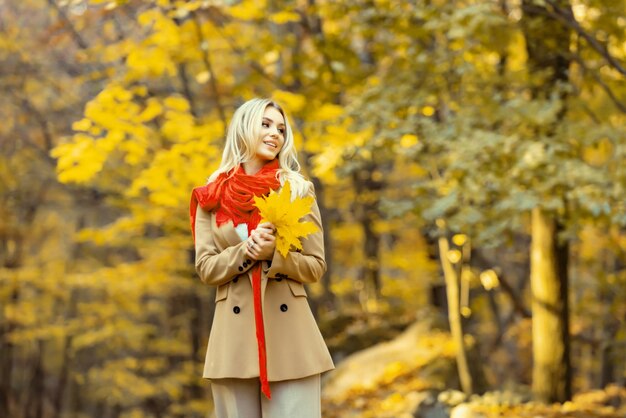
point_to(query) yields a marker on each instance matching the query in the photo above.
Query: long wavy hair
(241, 143)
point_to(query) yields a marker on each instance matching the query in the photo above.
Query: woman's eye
(265, 125)
(282, 131)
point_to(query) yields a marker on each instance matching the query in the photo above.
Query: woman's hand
(261, 243)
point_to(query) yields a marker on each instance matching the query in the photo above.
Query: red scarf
(232, 199)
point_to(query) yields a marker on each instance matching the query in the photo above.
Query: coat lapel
(225, 236)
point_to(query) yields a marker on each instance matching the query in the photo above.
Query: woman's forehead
(273, 114)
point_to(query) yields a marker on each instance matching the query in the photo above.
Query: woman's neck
(253, 166)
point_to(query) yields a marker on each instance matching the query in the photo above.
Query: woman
(264, 338)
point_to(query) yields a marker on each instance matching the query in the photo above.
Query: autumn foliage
(286, 214)
(442, 138)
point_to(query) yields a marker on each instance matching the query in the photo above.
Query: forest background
(469, 163)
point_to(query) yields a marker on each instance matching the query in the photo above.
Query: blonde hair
(241, 143)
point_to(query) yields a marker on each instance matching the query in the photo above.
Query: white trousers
(242, 398)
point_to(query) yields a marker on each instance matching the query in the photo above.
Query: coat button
(236, 309)
(236, 279)
(284, 307)
(248, 261)
(278, 280)
(245, 264)
(240, 268)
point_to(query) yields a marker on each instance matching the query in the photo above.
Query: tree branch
(77, 38)
(567, 17)
(254, 65)
(621, 106)
(206, 59)
(479, 260)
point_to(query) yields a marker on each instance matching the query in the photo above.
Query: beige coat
(295, 347)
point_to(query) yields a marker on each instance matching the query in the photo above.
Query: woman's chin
(269, 157)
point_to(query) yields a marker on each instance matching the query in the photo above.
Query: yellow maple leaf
(285, 214)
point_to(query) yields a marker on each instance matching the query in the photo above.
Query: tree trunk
(367, 213)
(548, 44)
(371, 248)
(548, 281)
(454, 316)
(6, 354)
(60, 390)
(33, 407)
(8, 401)
(329, 301)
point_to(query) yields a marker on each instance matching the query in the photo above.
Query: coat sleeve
(309, 265)
(213, 266)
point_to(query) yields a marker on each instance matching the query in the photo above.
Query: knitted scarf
(232, 199)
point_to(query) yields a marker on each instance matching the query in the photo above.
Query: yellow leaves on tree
(248, 10)
(285, 214)
(294, 102)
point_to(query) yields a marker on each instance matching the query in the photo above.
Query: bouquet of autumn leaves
(285, 214)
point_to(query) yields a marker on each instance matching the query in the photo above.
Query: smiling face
(271, 135)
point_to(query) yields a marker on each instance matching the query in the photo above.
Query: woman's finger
(267, 227)
(263, 236)
(267, 237)
(253, 254)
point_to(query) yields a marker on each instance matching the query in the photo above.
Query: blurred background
(469, 163)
